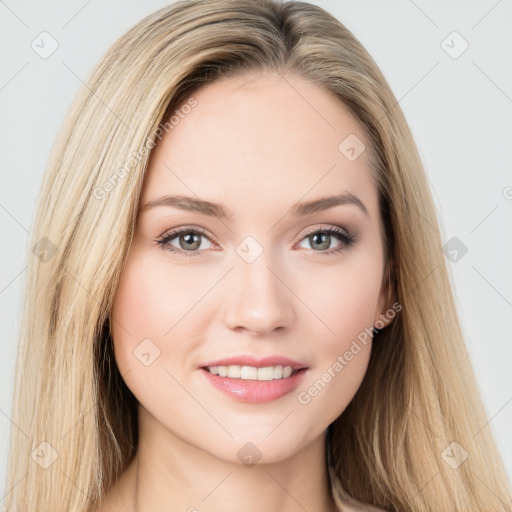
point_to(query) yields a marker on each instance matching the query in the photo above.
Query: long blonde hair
(419, 395)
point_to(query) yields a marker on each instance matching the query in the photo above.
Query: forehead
(261, 139)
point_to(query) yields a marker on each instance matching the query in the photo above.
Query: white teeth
(278, 371)
(251, 372)
(234, 372)
(266, 373)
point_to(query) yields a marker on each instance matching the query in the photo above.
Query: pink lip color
(255, 391)
(247, 360)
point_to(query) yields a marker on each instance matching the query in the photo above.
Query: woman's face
(255, 282)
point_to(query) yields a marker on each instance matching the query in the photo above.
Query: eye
(321, 238)
(188, 240)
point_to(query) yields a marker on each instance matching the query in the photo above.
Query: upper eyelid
(326, 228)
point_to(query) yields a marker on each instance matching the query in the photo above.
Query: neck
(168, 473)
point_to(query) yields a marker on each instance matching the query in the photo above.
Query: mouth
(247, 379)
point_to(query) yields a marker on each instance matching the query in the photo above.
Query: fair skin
(257, 147)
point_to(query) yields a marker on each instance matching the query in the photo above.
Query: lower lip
(255, 391)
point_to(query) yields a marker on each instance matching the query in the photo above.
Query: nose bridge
(258, 299)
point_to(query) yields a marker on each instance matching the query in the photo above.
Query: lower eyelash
(343, 236)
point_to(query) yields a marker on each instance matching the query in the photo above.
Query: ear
(385, 311)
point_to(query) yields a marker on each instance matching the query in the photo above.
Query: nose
(258, 297)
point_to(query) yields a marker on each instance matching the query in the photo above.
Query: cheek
(346, 304)
(147, 316)
(345, 297)
(157, 321)
(351, 304)
(147, 320)
(154, 299)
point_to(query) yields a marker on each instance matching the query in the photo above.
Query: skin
(256, 144)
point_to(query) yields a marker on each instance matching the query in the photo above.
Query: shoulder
(352, 506)
(345, 503)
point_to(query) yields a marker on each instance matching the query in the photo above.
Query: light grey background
(458, 109)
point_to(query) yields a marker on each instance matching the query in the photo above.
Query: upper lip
(258, 362)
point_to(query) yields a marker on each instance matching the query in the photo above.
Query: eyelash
(342, 235)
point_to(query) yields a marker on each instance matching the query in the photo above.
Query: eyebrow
(201, 206)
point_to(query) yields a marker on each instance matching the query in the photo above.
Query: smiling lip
(255, 391)
(246, 360)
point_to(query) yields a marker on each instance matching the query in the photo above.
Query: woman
(239, 297)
